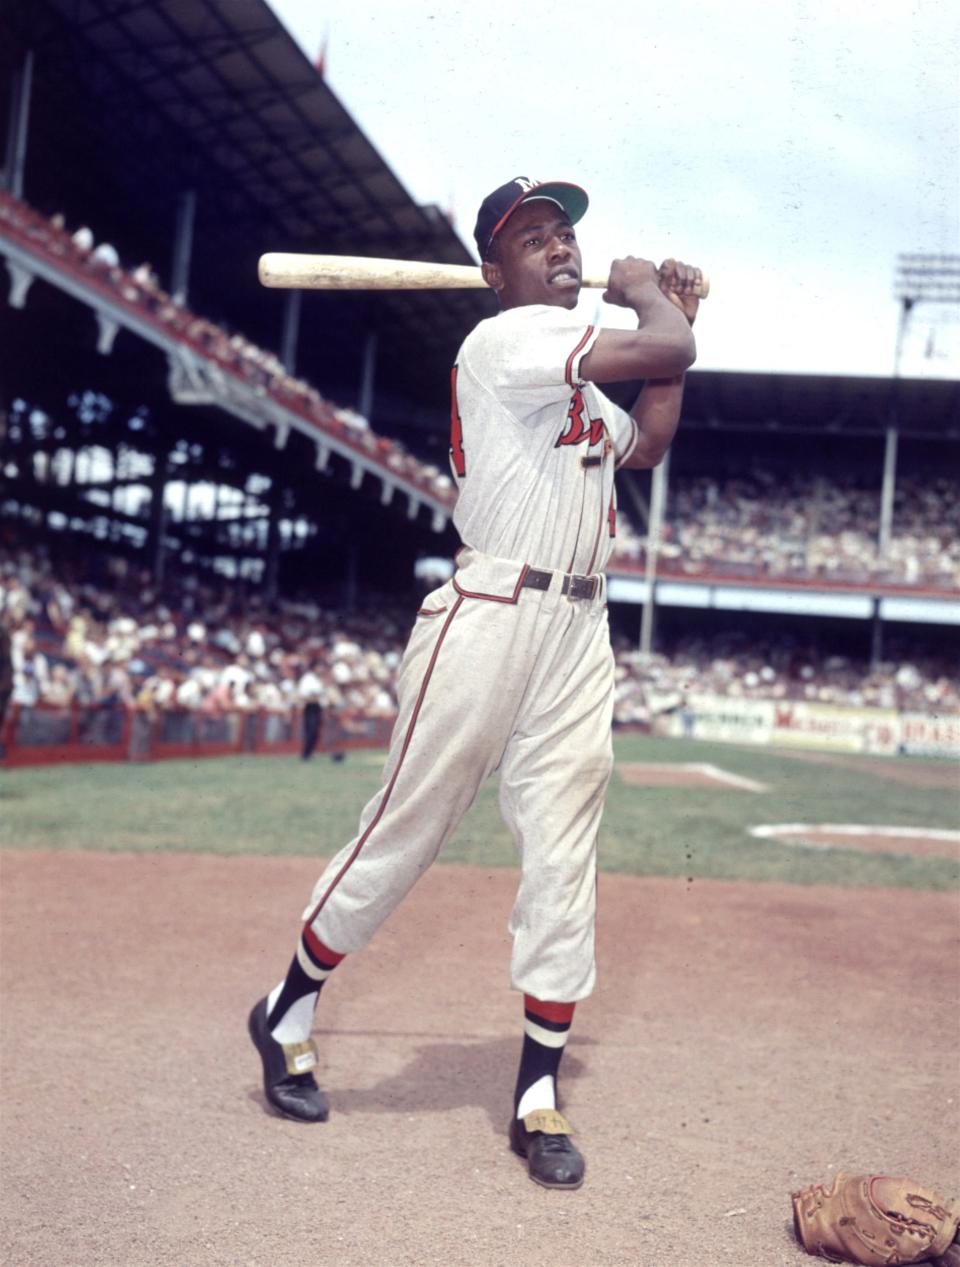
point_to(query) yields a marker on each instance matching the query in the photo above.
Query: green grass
(272, 805)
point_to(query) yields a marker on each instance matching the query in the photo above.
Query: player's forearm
(662, 346)
(657, 415)
(658, 317)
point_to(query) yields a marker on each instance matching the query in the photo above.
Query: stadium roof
(136, 101)
(822, 403)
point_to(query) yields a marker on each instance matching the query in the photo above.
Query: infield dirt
(744, 1039)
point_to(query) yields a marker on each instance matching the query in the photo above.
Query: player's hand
(627, 276)
(677, 281)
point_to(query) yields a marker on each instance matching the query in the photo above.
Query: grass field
(286, 806)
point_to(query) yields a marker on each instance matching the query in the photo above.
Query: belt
(573, 586)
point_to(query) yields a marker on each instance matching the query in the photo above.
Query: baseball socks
(545, 1030)
(537, 1131)
(280, 1026)
(291, 1004)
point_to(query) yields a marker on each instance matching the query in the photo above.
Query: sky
(792, 149)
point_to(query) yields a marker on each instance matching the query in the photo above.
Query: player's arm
(656, 410)
(657, 414)
(662, 346)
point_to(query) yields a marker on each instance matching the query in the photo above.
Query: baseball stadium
(224, 508)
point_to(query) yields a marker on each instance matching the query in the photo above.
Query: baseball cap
(497, 207)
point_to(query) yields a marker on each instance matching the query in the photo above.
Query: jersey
(533, 446)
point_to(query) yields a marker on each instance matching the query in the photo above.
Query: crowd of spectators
(806, 528)
(120, 642)
(260, 370)
(782, 666)
(126, 645)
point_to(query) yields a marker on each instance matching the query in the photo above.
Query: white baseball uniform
(505, 670)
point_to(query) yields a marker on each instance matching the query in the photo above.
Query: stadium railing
(222, 368)
(46, 734)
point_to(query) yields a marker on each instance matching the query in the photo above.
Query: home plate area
(684, 774)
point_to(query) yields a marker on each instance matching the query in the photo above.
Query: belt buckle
(580, 587)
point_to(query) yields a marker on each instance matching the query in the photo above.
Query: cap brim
(572, 200)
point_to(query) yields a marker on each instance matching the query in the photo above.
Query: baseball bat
(359, 272)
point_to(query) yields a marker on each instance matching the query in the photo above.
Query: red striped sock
(291, 1004)
(545, 1029)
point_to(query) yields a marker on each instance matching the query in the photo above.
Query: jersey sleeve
(624, 432)
(528, 357)
(621, 428)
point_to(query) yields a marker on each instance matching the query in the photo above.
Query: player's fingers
(668, 276)
(683, 279)
(694, 278)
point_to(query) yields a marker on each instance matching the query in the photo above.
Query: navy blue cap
(496, 208)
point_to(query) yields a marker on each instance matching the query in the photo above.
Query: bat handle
(598, 281)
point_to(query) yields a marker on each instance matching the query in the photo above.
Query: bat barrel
(355, 272)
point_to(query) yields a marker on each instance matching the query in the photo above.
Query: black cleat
(288, 1083)
(543, 1137)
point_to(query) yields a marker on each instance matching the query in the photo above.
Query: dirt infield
(743, 1040)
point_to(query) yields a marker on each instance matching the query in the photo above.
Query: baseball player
(509, 666)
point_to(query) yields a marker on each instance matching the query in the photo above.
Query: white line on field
(712, 772)
(724, 776)
(851, 829)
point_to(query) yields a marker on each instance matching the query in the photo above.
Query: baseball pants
(495, 677)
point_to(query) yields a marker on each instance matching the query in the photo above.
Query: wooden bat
(358, 272)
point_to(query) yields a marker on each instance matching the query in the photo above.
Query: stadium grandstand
(210, 492)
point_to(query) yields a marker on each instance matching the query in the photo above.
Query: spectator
(105, 255)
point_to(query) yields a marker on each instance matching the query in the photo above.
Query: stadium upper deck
(192, 137)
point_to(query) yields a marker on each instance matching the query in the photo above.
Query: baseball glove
(875, 1220)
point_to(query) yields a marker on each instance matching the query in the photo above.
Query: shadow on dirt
(442, 1076)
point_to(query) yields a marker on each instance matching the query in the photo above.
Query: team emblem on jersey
(578, 430)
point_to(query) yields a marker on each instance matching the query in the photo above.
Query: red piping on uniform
(403, 752)
(568, 370)
(496, 598)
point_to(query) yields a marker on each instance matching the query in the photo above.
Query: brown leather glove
(875, 1220)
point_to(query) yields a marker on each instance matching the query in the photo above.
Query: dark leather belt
(573, 586)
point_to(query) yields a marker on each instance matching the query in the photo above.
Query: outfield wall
(804, 724)
(46, 735)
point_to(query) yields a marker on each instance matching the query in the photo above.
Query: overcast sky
(791, 148)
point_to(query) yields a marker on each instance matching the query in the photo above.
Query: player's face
(538, 259)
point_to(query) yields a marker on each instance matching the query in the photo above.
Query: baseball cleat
(288, 1082)
(543, 1137)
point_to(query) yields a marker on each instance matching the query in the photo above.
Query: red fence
(46, 734)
